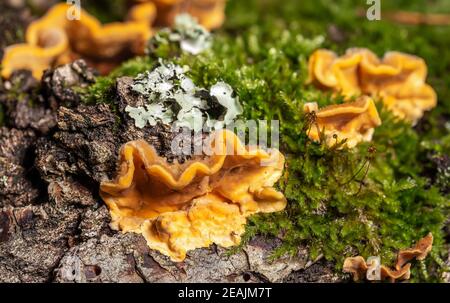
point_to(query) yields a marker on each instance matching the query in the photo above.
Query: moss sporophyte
(373, 199)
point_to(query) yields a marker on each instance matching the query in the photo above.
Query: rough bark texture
(53, 225)
(446, 275)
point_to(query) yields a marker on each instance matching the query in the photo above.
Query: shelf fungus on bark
(399, 79)
(180, 207)
(210, 13)
(54, 39)
(353, 122)
(372, 270)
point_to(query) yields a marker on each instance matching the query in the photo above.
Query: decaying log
(54, 226)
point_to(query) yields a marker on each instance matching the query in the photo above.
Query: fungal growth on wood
(54, 40)
(180, 207)
(398, 79)
(105, 123)
(210, 13)
(347, 124)
(374, 271)
(418, 252)
(356, 266)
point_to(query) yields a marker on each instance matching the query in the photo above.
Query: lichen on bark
(60, 141)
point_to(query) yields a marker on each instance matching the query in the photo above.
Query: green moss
(101, 90)
(106, 10)
(373, 200)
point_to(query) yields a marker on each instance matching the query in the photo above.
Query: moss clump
(101, 90)
(107, 10)
(373, 200)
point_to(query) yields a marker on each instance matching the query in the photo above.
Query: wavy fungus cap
(180, 207)
(399, 79)
(419, 251)
(210, 13)
(353, 122)
(358, 267)
(54, 39)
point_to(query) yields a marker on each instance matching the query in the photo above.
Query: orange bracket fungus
(54, 39)
(210, 13)
(374, 271)
(352, 121)
(398, 79)
(180, 207)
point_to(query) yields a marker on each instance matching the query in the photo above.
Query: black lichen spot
(215, 109)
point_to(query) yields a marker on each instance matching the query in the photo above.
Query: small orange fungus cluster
(353, 122)
(372, 270)
(56, 39)
(398, 79)
(210, 13)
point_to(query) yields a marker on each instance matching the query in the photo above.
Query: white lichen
(187, 33)
(151, 114)
(224, 94)
(4, 181)
(173, 98)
